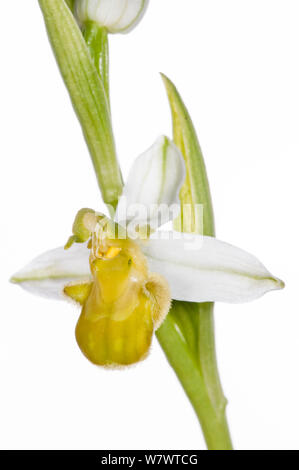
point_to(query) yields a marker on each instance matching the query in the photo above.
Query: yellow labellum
(121, 307)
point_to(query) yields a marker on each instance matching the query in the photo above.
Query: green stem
(196, 321)
(207, 356)
(96, 39)
(70, 4)
(178, 353)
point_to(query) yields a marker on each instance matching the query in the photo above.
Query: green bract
(87, 94)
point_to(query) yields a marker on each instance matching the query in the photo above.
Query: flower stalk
(87, 94)
(181, 357)
(196, 321)
(96, 39)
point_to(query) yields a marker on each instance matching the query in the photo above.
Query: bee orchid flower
(124, 272)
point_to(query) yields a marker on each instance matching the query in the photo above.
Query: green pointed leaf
(87, 94)
(194, 323)
(196, 188)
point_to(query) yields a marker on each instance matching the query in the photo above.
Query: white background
(236, 64)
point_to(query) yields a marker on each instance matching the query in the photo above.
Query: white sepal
(50, 272)
(118, 16)
(204, 269)
(151, 194)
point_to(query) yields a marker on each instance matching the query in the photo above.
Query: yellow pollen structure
(122, 305)
(112, 252)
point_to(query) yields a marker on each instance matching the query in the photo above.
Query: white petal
(151, 195)
(207, 269)
(47, 274)
(118, 16)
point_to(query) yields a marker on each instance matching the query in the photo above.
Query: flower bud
(118, 16)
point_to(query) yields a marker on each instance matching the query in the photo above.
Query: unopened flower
(124, 275)
(117, 16)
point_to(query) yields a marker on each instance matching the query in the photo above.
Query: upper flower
(117, 16)
(108, 266)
